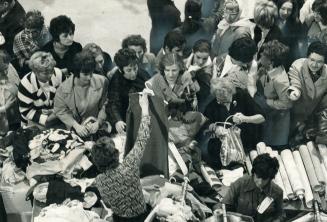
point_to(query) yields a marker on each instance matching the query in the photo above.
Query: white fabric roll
(278, 178)
(268, 150)
(286, 182)
(253, 154)
(304, 178)
(309, 168)
(292, 173)
(323, 153)
(261, 148)
(316, 159)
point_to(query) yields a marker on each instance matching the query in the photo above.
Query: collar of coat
(68, 85)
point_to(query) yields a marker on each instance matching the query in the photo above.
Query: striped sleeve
(26, 99)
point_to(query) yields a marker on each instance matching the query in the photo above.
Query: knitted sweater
(120, 188)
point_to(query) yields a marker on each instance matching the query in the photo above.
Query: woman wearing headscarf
(232, 27)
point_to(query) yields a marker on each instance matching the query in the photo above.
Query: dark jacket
(67, 60)
(119, 89)
(274, 33)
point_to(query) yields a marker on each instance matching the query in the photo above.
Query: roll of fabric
(304, 178)
(268, 150)
(292, 173)
(253, 154)
(278, 178)
(261, 148)
(323, 153)
(316, 159)
(283, 173)
(309, 168)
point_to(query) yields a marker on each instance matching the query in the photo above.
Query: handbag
(231, 144)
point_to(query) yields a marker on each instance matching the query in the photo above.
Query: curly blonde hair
(42, 62)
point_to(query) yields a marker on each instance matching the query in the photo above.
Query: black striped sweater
(34, 104)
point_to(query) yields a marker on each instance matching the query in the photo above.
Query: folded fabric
(59, 191)
(10, 173)
(304, 178)
(310, 169)
(210, 176)
(316, 159)
(230, 176)
(70, 212)
(293, 173)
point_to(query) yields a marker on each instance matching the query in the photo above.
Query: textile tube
(305, 181)
(253, 154)
(316, 159)
(278, 178)
(261, 148)
(323, 152)
(292, 173)
(309, 168)
(286, 182)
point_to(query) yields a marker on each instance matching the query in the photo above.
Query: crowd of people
(262, 69)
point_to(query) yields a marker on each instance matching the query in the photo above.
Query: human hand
(80, 130)
(144, 103)
(94, 127)
(294, 94)
(239, 118)
(3, 109)
(120, 126)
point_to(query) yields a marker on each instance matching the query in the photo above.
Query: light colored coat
(65, 102)
(311, 92)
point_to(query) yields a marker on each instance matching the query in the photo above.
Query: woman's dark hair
(34, 20)
(192, 17)
(84, 62)
(135, 40)
(202, 45)
(318, 48)
(320, 6)
(171, 59)
(265, 167)
(125, 57)
(295, 11)
(104, 154)
(243, 49)
(61, 24)
(276, 51)
(174, 39)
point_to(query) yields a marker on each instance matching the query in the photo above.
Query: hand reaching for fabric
(80, 130)
(120, 127)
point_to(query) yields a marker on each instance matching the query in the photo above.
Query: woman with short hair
(272, 95)
(127, 79)
(247, 193)
(235, 102)
(37, 90)
(81, 96)
(63, 47)
(265, 18)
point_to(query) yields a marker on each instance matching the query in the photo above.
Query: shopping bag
(231, 144)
